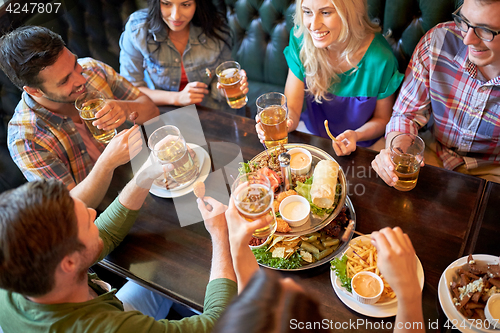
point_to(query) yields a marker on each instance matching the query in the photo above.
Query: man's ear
(69, 264)
(36, 92)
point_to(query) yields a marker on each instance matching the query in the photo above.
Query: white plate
(444, 295)
(204, 169)
(383, 310)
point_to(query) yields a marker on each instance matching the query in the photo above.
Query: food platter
(445, 298)
(315, 222)
(352, 216)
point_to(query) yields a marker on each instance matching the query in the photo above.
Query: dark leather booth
(260, 33)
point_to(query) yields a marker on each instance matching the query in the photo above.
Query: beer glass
(168, 146)
(253, 197)
(88, 104)
(228, 74)
(273, 113)
(407, 152)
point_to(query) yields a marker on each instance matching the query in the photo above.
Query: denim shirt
(156, 63)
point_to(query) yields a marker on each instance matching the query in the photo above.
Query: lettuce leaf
(340, 268)
(245, 168)
(265, 257)
(304, 189)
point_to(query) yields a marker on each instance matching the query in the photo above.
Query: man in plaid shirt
(46, 137)
(454, 76)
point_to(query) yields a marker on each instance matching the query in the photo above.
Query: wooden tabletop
(486, 234)
(175, 260)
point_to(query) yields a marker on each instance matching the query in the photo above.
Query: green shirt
(105, 313)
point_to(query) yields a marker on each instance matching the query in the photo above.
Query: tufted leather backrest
(262, 28)
(404, 22)
(90, 28)
(261, 31)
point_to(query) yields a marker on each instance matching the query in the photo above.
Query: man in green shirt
(48, 240)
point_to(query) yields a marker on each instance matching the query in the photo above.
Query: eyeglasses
(482, 33)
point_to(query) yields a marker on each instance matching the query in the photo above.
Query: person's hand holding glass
(169, 147)
(88, 105)
(233, 81)
(253, 197)
(272, 119)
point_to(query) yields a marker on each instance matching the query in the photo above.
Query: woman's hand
(345, 143)
(193, 93)
(243, 83)
(260, 130)
(397, 261)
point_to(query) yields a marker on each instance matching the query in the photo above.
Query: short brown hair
(38, 227)
(26, 51)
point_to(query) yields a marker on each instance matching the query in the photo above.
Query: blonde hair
(320, 69)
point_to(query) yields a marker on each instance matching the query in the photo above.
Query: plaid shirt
(44, 144)
(442, 82)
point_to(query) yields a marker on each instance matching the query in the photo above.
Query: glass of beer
(88, 104)
(253, 197)
(168, 146)
(407, 152)
(228, 74)
(273, 113)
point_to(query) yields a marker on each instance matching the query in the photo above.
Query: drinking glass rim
(99, 94)
(283, 101)
(238, 66)
(415, 137)
(179, 136)
(268, 184)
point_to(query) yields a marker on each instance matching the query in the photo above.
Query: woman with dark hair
(171, 49)
(268, 303)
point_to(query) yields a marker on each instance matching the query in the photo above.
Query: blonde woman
(346, 70)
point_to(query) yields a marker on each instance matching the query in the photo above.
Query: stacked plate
(202, 161)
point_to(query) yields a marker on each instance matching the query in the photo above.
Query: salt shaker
(286, 172)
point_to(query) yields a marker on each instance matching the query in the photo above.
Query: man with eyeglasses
(452, 85)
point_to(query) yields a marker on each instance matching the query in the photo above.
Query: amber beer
(272, 111)
(229, 77)
(88, 105)
(254, 199)
(407, 151)
(273, 119)
(407, 169)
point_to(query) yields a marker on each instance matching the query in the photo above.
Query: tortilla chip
(279, 252)
(306, 256)
(276, 240)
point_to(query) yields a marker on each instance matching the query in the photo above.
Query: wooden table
(486, 234)
(174, 260)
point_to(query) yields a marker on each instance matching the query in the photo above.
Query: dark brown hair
(38, 227)
(264, 306)
(26, 51)
(207, 16)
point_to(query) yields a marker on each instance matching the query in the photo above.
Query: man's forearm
(222, 265)
(244, 264)
(389, 138)
(135, 192)
(94, 187)
(144, 107)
